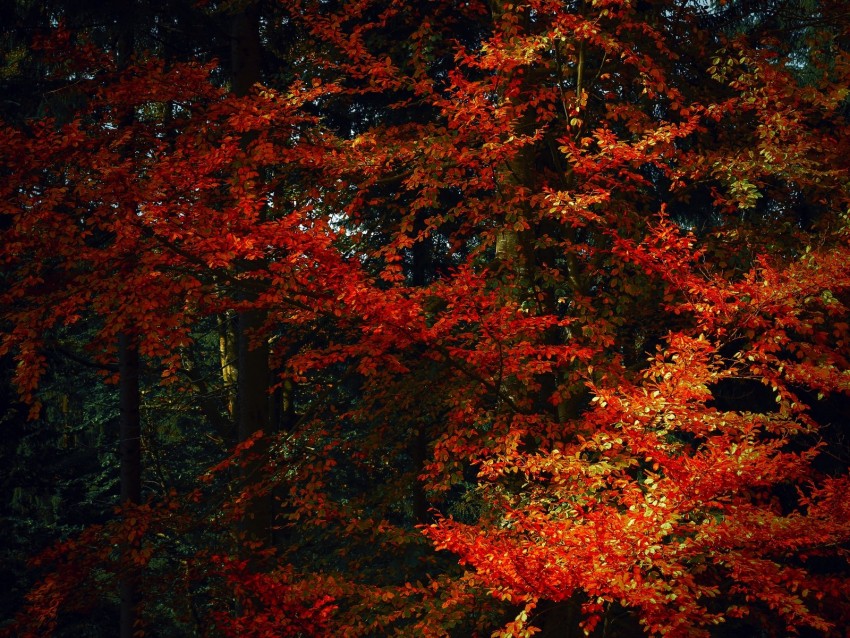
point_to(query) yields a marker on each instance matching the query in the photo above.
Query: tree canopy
(364, 318)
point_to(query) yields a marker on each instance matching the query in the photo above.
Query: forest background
(437, 318)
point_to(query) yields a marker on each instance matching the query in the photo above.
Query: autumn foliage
(563, 288)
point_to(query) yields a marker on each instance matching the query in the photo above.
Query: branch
(89, 363)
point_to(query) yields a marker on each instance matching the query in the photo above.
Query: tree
(567, 179)
(565, 283)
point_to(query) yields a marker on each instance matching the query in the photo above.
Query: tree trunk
(130, 451)
(515, 255)
(421, 273)
(253, 370)
(253, 376)
(228, 356)
(129, 429)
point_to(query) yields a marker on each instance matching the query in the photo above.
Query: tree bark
(253, 375)
(253, 369)
(129, 429)
(421, 271)
(130, 451)
(228, 357)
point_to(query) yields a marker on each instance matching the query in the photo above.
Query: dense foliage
(427, 318)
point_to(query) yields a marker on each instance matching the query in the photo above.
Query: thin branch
(89, 363)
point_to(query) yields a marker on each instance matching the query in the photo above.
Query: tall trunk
(253, 374)
(130, 451)
(129, 429)
(515, 254)
(130, 422)
(282, 407)
(252, 359)
(245, 49)
(253, 377)
(513, 250)
(228, 357)
(421, 267)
